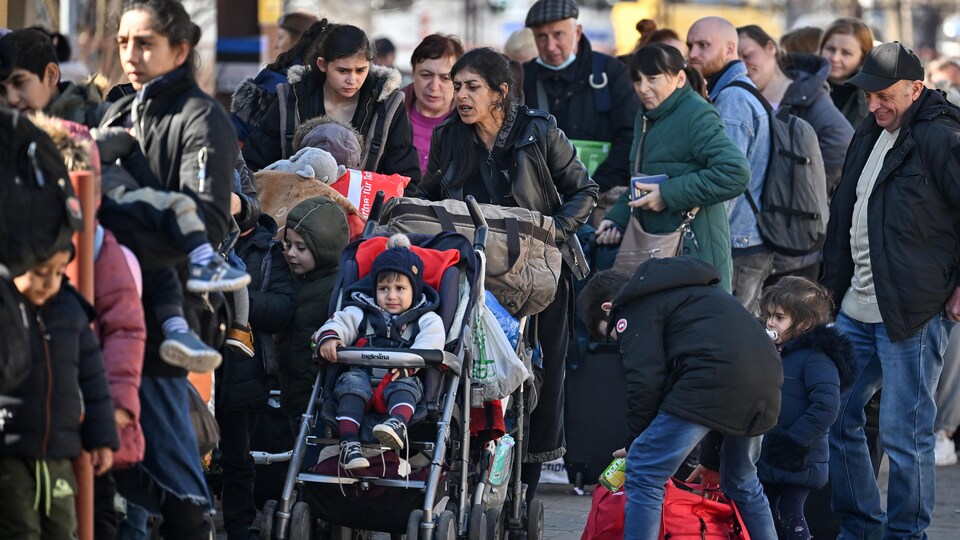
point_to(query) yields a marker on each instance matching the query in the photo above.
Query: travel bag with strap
(523, 261)
(794, 206)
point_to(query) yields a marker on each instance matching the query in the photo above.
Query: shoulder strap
(600, 83)
(753, 90)
(543, 102)
(386, 110)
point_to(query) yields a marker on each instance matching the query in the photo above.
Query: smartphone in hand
(636, 192)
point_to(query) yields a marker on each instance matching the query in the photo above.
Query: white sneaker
(945, 453)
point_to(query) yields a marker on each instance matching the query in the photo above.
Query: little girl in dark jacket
(816, 364)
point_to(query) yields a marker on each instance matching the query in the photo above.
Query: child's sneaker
(241, 339)
(186, 350)
(351, 457)
(217, 275)
(945, 452)
(392, 433)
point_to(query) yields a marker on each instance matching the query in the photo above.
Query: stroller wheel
(478, 524)
(413, 525)
(446, 526)
(535, 520)
(494, 526)
(301, 522)
(267, 513)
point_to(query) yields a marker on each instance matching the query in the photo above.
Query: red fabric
(122, 333)
(435, 262)
(686, 510)
(605, 520)
(377, 403)
(489, 419)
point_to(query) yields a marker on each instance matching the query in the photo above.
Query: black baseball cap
(886, 64)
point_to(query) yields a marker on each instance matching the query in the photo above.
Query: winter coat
(808, 97)
(796, 452)
(177, 121)
(121, 330)
(912, 218)
(326, 234)
(546, 175)
(81, 104)
(64, 405)
(571, 101)
(684, 138)
(252, 98)
(249, 201)
(854, 108)
(380, 118)
(242, 381)
(691, 350)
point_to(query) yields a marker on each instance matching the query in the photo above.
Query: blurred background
(239, 35)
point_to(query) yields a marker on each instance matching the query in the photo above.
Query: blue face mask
(566, 63)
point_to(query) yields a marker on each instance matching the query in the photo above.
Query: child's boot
(216, 275)
(392, 433)
(351, 456)
(186, 350)
(241, 339)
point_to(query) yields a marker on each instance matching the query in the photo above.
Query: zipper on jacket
(32, 153)
(643, 137)
(49, 397)
(202, 173)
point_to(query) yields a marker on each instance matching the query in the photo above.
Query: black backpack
(794, 204)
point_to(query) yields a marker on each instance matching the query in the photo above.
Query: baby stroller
(440, 498)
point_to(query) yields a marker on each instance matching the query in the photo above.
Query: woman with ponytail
(680, 135)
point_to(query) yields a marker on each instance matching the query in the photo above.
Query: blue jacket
(748, 125)
(252, 98)
(795, 452)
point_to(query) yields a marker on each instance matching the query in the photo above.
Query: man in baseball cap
(891, 264)
(590, 94)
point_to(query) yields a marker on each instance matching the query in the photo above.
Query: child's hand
(122, 417)
(399, 373)
(101, 459)
(328, 349)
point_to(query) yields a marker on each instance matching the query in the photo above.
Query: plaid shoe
(392, 433)
(351, 457)
(217, 275)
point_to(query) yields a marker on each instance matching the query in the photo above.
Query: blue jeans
(908, 372)
(657, 453)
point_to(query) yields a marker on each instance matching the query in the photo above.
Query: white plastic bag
(496, 365)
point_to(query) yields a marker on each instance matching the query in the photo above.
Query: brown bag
(204, 423)
(638, 245)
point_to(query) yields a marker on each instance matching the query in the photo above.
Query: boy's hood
(656, 275)
(323, 224)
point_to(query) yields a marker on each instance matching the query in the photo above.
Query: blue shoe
(392, 433)
(217, 275)
(186, 350)
(351, 457)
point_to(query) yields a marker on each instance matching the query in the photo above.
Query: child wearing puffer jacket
(816, 365)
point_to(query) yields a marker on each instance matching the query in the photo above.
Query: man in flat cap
(891, 263)
(589, 93)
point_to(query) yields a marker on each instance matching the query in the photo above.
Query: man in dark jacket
(589, 93)
(891, 263)
(696, 363)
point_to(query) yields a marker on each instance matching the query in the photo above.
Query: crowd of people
(686, 123)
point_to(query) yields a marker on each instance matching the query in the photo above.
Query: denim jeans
(657, 453)
(908, 372)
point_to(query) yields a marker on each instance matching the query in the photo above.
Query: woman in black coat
(503, 153)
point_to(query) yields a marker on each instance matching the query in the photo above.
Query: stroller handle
(479, 222)
(374, 217)
(396, 358)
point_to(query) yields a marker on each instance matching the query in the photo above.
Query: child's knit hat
(398, 257)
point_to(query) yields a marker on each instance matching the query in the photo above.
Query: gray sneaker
(217, 275)
(186, 350)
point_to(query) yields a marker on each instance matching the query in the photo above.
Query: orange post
(80, 272)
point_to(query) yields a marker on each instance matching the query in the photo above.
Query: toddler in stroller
(390, 308)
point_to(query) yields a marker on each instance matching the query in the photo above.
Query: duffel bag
(523, 261)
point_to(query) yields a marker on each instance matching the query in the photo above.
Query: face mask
(566, 63)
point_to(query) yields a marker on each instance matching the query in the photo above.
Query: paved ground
(566, 512)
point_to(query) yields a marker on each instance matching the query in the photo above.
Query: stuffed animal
(280, 191)
(311, 162)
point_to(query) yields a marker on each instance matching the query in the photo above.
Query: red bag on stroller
(605, 521)
(689, 510)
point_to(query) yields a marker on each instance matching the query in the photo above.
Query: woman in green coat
(679, 134)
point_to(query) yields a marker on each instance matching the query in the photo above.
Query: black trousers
(239, 509)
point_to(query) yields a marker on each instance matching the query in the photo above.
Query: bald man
(712, 42)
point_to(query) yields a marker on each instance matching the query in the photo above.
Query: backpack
(794, 205)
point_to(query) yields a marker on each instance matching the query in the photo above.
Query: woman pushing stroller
(391, 308)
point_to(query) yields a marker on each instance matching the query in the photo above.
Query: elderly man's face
(557, 40)
(889, 106)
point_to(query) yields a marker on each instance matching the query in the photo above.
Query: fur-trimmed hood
(73, 140)
(828, 340)
(81, 103)
(252, 98)
(387, 79)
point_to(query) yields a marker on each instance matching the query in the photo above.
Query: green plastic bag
(591, 153)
